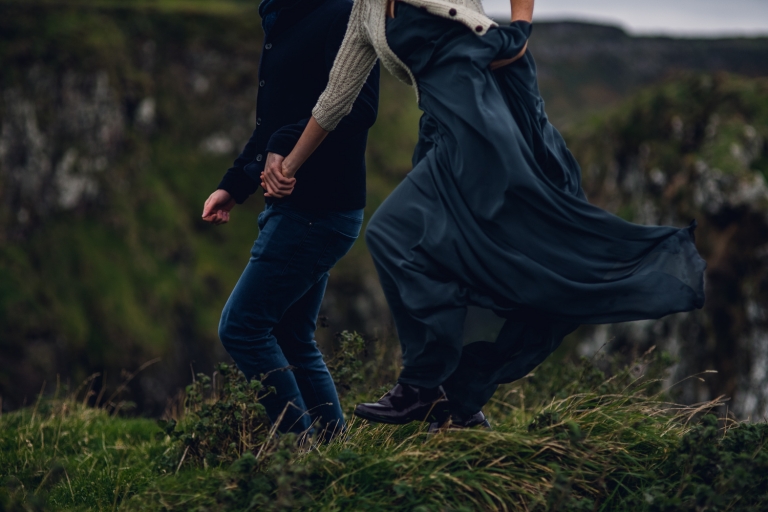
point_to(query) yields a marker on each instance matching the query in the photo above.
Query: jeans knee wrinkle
(235, 331)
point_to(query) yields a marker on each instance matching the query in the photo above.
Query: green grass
(566, 438)
(70, 456)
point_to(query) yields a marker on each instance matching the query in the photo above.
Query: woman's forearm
(522, 10)
(308, 142)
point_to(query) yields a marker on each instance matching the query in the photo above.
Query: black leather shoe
(405, 403)
(458, 422)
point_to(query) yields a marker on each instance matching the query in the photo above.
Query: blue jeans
(269, 321)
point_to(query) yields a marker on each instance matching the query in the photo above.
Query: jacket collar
(284, 13)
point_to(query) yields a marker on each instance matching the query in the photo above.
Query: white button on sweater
(366, 39)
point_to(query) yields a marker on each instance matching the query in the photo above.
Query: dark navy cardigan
(297, 56)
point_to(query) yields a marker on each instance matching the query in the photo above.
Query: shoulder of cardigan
(368, 31)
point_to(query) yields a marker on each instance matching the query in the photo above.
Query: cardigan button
(261, 84)
(258, 158)
(452, 12)
(258, 121)
(268, 46)
(478, 28)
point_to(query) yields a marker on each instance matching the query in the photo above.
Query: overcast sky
(673, 17)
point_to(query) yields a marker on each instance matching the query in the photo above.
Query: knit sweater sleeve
(350, 70)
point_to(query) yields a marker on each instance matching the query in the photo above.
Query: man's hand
(273, 180)
(217, 207)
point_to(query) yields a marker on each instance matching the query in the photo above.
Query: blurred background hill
(118, 118)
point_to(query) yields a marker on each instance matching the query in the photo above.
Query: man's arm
(234, 188)
(236, 182)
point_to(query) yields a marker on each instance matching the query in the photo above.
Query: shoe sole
(429, 417)
(434, 429)
(378, 419)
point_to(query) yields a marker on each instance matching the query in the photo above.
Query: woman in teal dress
(493, 215)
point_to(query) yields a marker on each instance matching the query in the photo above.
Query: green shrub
(223, 420)
(713, 469)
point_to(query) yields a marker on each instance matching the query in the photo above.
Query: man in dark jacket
(268, 323)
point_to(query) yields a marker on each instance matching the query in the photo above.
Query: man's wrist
(238, 186)
(281, 144)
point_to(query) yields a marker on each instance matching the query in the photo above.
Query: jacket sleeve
(512, 38)
(351, 69)
(364, 109)
(236, 181)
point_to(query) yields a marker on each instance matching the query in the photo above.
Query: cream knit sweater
(366, 39)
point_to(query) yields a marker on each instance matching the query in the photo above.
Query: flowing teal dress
(493, 215)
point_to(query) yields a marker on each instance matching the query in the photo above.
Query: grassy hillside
(567, 438)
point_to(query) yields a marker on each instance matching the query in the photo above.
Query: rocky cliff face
(114, 127)
(696, 149)
(58, 135)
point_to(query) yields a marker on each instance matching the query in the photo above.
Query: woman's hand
(506, 62)
(277, 179)
(522, 10)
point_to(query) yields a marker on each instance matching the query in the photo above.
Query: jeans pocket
(337, 246)
(346, 223)
(265, 215)
(262, 220)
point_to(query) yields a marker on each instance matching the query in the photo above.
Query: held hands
(217, 207)
(278, 176)
(276, 179)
